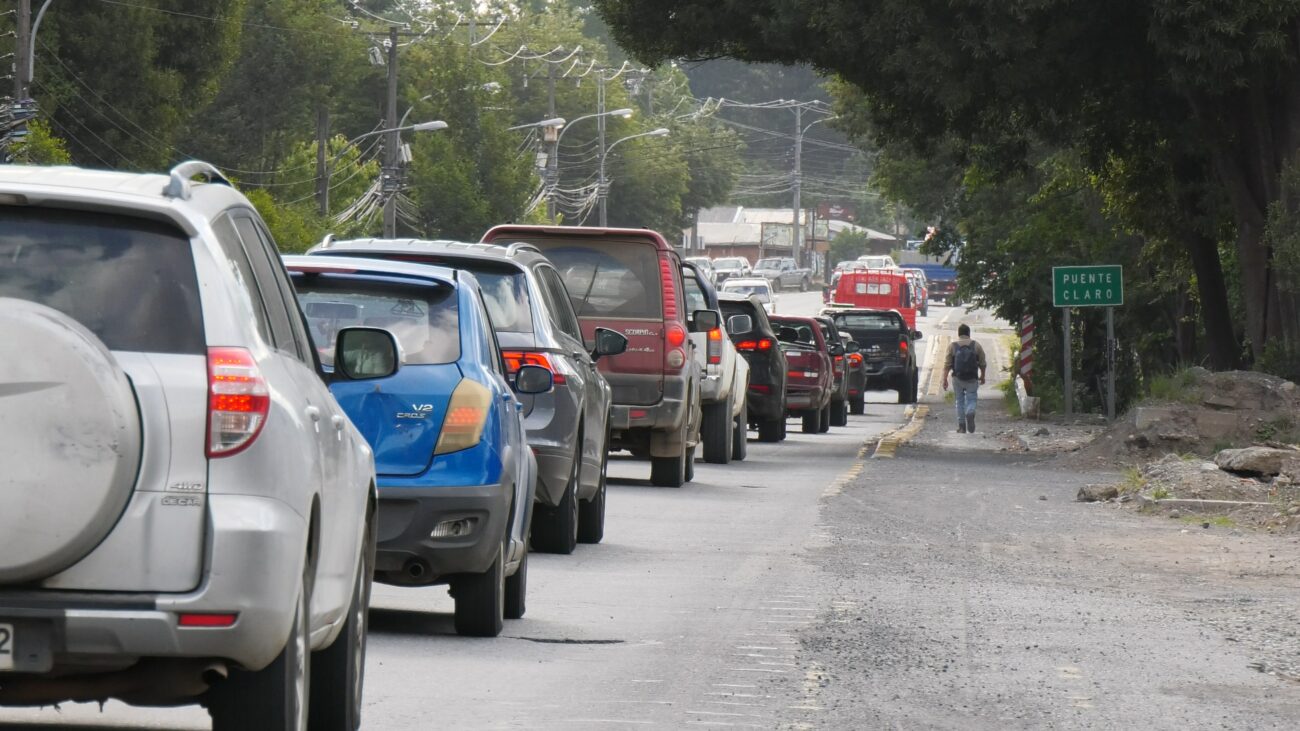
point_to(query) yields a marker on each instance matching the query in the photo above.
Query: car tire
(772, 430)
(812, 421)
(858, 405)
(338, 672)
(277, 697)
(591, 513)
(668, 471)
(690, 464)
(555, 529)
(739, 438)
(716, 432)
(480, 600)
(916, 388)
(824, 419)
(840, 413)
(516, 597)
(905, 388)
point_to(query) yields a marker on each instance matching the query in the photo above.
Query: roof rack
(325, 242)
(518, 246)
(182, 174)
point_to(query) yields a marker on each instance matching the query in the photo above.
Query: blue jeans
(967, 397)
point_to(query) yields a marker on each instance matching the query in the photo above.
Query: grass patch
(949, 397)
(1161, 493)
(1282, 429)
(1133, 481)
(1177, 387)
(1218, 521)
(1010, 398)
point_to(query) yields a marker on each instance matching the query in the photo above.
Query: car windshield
(727, 264)
(608, 279)
(866, 321)
(761, 291)
(767, 264)
(129, 281)
(505, 292)
(424, 319)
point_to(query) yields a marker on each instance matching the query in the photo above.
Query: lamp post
(551, 131)
(601, 190)
(553, 157)
(420, 127)
(795, 242)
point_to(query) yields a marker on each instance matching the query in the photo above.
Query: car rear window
(424, 319)
(730, 308)
(866, 321)
(608, 279)
(761, 291)
(128, 280)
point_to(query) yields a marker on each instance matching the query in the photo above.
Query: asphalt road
(685, 615)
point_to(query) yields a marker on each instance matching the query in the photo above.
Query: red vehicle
(810, 380)
(630, 281)
(877, 289)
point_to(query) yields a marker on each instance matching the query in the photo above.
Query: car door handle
(313, 412)
(337, 421)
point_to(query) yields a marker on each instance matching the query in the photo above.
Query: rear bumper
(256, 552)
(882, 376)
(666, 415)
(803, 399)
(408, 515)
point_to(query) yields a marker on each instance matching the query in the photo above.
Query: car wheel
(772, 430)
(690, 464)
(916, 387)
(739, 438)
(517, 591)
(275, 698)
(716, 432)
(555, 529)
(905, 388)
(857, 405)
(480, 600)
(812, 420)
(591, 513)
(824, 419)
(338, 672)
(840, 413)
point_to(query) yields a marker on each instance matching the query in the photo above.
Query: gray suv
(568, 427)
(186, 515)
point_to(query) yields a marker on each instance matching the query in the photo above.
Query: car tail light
(670, 288)
(467, 414)
(238, 401)
(715, 346)
(855, 359)
(902, 346)
(676, 337)
(516, 358)
(207, 620)
(748, 346)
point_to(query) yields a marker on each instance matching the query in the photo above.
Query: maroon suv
(810, 382)
(629, 280)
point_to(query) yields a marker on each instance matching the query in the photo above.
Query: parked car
(887, 347)
(877, 289)
(810, 380)
(760, 289)
(205, 525)
(857, 369)
(705, 265)
(727, 267)
(881, 261)
(783, 272)
(767, 364)
(456, 476)
(630, 281)
(724, 428)
(920, 290)
(568, 427)
(941, 282)
(840, 369)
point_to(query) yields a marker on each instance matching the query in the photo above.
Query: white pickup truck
(725, 424)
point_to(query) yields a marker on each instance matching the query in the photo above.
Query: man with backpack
(966, 364)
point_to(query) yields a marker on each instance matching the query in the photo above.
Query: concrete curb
(889, 443)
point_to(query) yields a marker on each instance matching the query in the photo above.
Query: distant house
(758, 232)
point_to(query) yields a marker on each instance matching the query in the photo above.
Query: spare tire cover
(69, 441)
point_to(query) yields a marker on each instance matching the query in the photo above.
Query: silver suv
(568, 427)
(185, 511)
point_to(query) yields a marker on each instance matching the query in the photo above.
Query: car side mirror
(740, 324)
(705, 320)
(608, 342)
(365, 353)
(532, 379)
(853, 347)
(916, 335)
(787, 335)
(836, 349)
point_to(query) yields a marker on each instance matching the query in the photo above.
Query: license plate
(6, 647)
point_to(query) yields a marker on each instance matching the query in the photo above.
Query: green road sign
(1090, 286)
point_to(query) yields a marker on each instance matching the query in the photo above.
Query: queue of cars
(230, 446)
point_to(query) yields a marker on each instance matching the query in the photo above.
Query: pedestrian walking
(966, 363)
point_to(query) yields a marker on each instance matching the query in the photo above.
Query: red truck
(810, 380)
(877, 289)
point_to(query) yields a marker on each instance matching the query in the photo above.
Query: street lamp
(553, 155)
(601, 192)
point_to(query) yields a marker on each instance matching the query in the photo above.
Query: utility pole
(22, 50)
(553, 147)
(391, 143)
(322, 169)
(600, 131)
(797, 182)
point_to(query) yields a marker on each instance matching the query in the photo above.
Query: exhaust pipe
(415, 568)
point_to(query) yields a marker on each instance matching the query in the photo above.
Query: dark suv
(838, 349)
(630, 281)
(887, 347)
(767, 365)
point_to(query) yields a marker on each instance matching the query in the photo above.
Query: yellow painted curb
(890, 442)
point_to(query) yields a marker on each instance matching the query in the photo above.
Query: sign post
(1089, 286)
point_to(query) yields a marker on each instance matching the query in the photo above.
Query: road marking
(756, 670)
(890, 442)
(934, 384)
(733, 685)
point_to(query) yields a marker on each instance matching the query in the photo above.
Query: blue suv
(456, 476)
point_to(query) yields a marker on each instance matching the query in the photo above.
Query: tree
(1218, 77)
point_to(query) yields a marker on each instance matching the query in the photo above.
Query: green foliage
(41, 147)
(848, 245)
(294, 228)
(1176, 387)
(1134, 482)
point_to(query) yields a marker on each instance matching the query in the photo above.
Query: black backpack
(965, 362)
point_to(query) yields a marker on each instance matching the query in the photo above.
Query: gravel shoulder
(965, 588)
